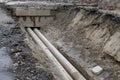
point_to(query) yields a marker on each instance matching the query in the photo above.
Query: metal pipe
(66, 64)
(62, 71)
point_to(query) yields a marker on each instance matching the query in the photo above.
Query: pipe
(66, 64)
(63, 72)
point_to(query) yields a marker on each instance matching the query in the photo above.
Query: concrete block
(20, 20)
(37, 21)
(46, 20)
(97, 70)
(28, 22)
(112, 47)
(32, 12)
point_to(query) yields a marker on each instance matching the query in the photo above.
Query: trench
(80, 35)
(85, 37)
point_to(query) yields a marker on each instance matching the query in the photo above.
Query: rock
(112, 47)
(97, 70)
(23, 56)
(17, 54)
(12, 50)
(28, 78)
(15, 64)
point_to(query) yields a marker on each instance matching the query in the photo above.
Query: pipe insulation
(63, 72)
(66, 64)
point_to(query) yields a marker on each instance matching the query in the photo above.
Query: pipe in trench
(66, 64)
(62, 71)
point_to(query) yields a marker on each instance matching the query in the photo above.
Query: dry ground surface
(102, 4)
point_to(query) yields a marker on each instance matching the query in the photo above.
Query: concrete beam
(35, 21)
(32, 12)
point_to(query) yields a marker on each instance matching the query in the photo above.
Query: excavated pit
(87, 38)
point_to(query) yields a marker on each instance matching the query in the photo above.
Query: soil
(69, 33)
(25, 66)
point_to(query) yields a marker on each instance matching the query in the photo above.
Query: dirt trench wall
(100, 31)
(90, 36)
(104, 4)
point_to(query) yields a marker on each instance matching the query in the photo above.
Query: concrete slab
(28, 22)
(35, 21)
(46, 20)
(97, 70)
(32, 12)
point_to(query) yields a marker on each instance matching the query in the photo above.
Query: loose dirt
(25, 66)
